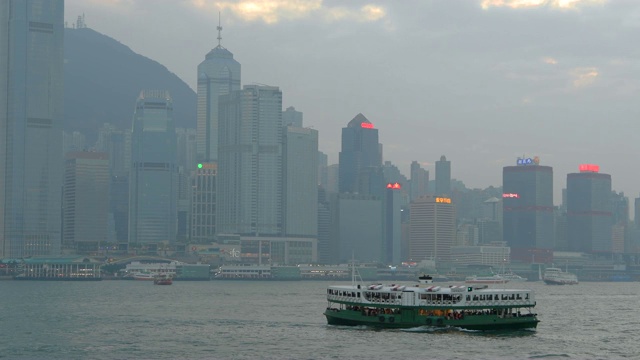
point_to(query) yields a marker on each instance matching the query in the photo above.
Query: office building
(432, 229)
(153, 186)
(300, 182)
(393, 202)
(31, 99)
(292, 117)
(85, 202)
(356, 229)
(360, 150)
(250, 171)
(443, 177)
(589, 218)
(527, 208)
(219, 74)
(203, 203)
(419, 181)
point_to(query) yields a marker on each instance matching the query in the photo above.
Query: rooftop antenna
(219, 27)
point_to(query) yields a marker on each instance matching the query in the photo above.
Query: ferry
(162, 279)
(476, 307)
(555, 276)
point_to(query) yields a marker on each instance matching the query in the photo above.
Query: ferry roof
(427, 289)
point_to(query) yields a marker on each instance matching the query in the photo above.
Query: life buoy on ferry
(381, 318)
(439, 321)
(429, 321)
(193, 248)
(392, 319)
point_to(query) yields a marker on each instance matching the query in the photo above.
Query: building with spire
(218, 74)
(31, 115)
(360, 153)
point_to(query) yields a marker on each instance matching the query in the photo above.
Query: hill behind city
(103, 78)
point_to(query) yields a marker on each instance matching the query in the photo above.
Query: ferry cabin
(473, 307)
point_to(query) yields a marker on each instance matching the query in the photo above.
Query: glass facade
(153, 189)
(31, 101)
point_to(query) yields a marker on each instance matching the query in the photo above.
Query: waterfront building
(60, 268)
(31, 99)
(117, 144)
(493, 255)
(203, 203)
(589, 217)
(154, 173)
(300, 182)
(443, 177)
(528, 208)
(250, 172)
(360, 150)
(393, 203)
(85, 202)
(219, 74)
(333, 178)
(324, 227)
(432, 229)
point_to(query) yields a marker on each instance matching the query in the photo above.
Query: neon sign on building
(510, 195)
(589, 168)
(394, 186)
(366, 125)
(443, 200)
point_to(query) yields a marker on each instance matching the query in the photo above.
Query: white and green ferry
(470, 307)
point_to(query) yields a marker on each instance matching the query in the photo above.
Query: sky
(482, 82)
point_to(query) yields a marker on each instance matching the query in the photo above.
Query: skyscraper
(203, 203)
(419, 181)
(360, 150)
(443, 177)
(250, 162)
(292, 117)
(219, 74)
(527, 208)
(589, 210)
(300, 182)
(31, 99)
(154, 174)
(86, 201)
(432, 229)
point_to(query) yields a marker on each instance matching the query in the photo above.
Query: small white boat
(491, 279)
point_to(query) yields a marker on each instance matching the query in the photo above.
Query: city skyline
(477, 81)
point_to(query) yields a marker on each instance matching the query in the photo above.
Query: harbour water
(283, 320)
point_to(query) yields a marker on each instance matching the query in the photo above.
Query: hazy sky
(480, 81)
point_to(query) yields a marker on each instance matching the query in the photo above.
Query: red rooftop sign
(394, 186)
(589, 168)
(366, 125)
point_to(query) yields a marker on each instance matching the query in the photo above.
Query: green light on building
(199, 166)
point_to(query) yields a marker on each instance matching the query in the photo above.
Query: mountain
(103, 78)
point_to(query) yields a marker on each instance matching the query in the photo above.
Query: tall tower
(419, 181)
(203, 203)
(300, 182)
(589, 210)
(153, 189)
(218, 74)
(360, 151)
(250, 162)
(443, 177)
(528, 208)
(31, 101)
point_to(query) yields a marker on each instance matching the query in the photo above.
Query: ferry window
(358, 294)
(468, 297)
(527, 296)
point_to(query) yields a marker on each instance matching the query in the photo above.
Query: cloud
(583, 76)
(274, 11)
(560, 4)
(549, 60)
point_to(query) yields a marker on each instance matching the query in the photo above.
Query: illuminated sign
(510, 195)
(366, 125)
(528, 161)
(443, 200)
(394, 186)
(589, 168)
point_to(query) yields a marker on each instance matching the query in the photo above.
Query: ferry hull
(410, 319)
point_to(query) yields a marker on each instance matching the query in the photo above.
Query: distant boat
(511, 276)
(162, 279)
(555, 276)
(144, 276)
(490, 279)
